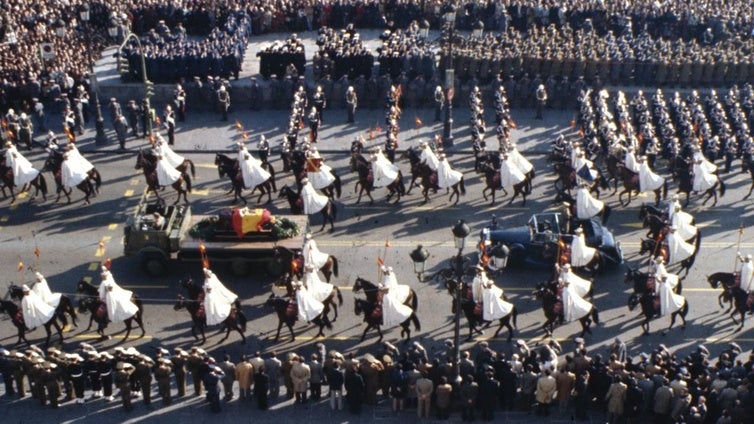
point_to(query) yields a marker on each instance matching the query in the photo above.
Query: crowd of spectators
(406, 51)
(341, 53)
(277, 58)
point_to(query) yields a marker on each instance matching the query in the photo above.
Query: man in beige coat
(616, 398)
(244, 375)
(424, 389)
(565, 381)
(545, 393)
(300, 374)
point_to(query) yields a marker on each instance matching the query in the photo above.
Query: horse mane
(88, 288)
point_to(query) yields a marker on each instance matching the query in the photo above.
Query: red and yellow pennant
(203, 254)
(239, 127)
(20, 266)
(418, 122)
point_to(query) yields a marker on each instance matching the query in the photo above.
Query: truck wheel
(239, 267)
(154, 265)
(274, 268)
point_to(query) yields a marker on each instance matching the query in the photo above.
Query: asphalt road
(68, 237)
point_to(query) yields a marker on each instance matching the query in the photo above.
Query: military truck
(157, 234)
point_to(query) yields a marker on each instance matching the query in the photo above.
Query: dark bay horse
(184, 167)
(329, 301)
(365, 183)
(563, 196)
(373, 317)
(149, 168)
(329, 212)
(552, 306)
(296, 162)
(235, 321)
(286, 309)
(17, 318)
(492, 183)
(744, 302)
(429, 178)
(631, 184)
(89, 301)
(374, 295)
(64, 307)
(230, 168)
(474, 315)
(724, 279)
(650, 246)
(644, 282)
(8, 181)
(686, 185)
(650, 309)
(90, 186)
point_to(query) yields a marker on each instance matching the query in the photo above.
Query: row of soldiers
(406, 51)
(281, 59)
(341, 53)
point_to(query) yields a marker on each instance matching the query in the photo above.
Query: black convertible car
(536, 243)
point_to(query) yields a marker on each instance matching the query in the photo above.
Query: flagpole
(738, 246)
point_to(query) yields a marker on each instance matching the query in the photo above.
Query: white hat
(222, 88)
(131, 351)
(25, 288)
(578, 230)
(304, 180)
(308, 236)
(566, 267)
(39, 276)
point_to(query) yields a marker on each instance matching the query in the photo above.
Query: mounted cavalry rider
(648, 180)
(218, 300)
(319, 289)
(117, 300)
(383, 171)
(166, 174)
(446, 176)
(427, 156)
(747, 272)
(35, 310)
(23, 170)
(586, 205)
(485, 291)
(670, 302)
(309, 308)
(42, 289)
(575, 306)
(580, 285)
(313, 200)
(682, 221)
(678, 248)
(320, 175)
(581, 254)
(394, 312)
(510, 174)
(312, 255)
(630, 161)
(251, 170)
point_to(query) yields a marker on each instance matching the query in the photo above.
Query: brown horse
(650, 246)
(64, 308)
(429, 178)
(235, 321)
(8, 181)
(90, 186)
(149, 168)
(631, 184)
(229, 167)
(286, 309)
(329, 301)
(473, 312)
(552, 306)
(493, 183)
(296, 202)
(329, 269)
(366, 181)
(650, 308)
(90, 302)
(17, 317)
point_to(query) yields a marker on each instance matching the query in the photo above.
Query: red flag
(418, 122)
(20, 266)
(108, 263)
(512, 124)
(371, 134)
(239, 127)
(573, 123)
(36, 252)
(245, 135)
(380, 262)
(203, 253)
(387, 243)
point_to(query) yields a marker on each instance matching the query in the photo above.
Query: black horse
(149, 168)
(552, 306)
(686, 185)
(235, 321)
(17, 318)
(650, 246)
(631, 184)
(373, 294)
(90, 186)
(184, 167)
(373, 317)
(8, 181)
(296, 202)
(64, 307)
(724, 279)
(566, 179)
(230, 168)
(493, 182)
(744, 302)
(650, 308)
(90, 302)
(474, 315)
(645, 283)
(286, 309)
(298, 164)
(429, 178)
(365, 183)
(563, 196)
(329, 301)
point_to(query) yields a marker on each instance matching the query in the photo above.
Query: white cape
(42, 289)
(23, 171)
(394, 312)
(429, 158)
(586, 205)
(510, 175)
(75, 156)
(174, 159)
(313, 200)
(319, 289)
(166, 174)
(117, 300)
(308, 307)
(252, 172)
(682, 222)
(678, 249)
(630, 162)
(321, 179)
(703, 179)
(447, 176)
(747, 271)
(579, 285)
(71, 173)
(35, 311)
(218, 300)
(313, 256)
(708, 166)
(383, 172)
(581, 254)
(648, 180)
(574, 307)
(493, 305)
(520, 161)
(669, 301)
(399, 291)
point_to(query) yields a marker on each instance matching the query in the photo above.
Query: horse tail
(356, 187)
(606, 214)
(414, 300)
(187, 178)
(463, 187)
(340, 296)
(43, 184)
(722, 187)
(664, 189)
(595, 315)
(401, 185)
(335, 267)
(242, 320)
(338, 188)
(514, 313)
(334, 213)
(191, 166)
(415, 320)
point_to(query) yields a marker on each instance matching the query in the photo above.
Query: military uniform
(122, 380)
(179, 368)
(351, 104)
(162, 374)
(223, 102)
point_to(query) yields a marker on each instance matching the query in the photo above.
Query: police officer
(541, 97)
(351, 104)
(179, 99)
(169, 117)
(255, 97)
(320, 103)
(439, 103)
(132, 114)
(314, 124)
(25, 130)
(223, 101)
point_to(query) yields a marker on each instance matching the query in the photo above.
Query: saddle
(478, 309)
(467, 292)
(634, 180)
(656, 304)
(736, 279)
(370, 178)
(651, 284)
(558, 307)
(749, 300)
(432, 179)
(291, 309)
(18, 319)
(299, 203)
(200, 313)
(101, 312)
(376, 312)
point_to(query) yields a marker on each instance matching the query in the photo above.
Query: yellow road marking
(134, 181)
(128, 193)
(107, 238)
(204, 192)
(22, 195)
(87, 279)
(13, 206)
(206, 165)
(112, 226)
(115, 336)
(93, 266)
(4, 218)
